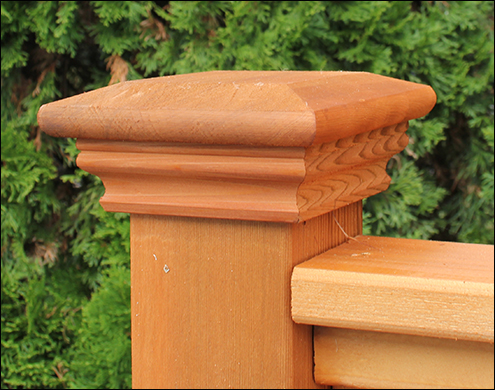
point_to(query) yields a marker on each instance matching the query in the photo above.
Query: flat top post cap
(262, 108)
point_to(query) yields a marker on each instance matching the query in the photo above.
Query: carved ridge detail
(355, 150)
(347, 170)
(318, 197)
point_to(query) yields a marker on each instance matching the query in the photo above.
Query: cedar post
(232, 178)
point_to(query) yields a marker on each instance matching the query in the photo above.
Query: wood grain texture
(281, 184)
(375, 360)
(250, 145)
(220, 317)
(349, 169)
(415, 287)
(255, 108)
(195, 180)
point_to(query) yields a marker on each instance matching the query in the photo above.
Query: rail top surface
(256, 108)
(398, 285)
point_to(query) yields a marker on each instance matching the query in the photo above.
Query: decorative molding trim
(347, 170)
(196, 180)
(252, 145)
(281, 184)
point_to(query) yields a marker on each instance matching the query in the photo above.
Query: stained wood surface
(256, 108)
(374, 360)
(220, 316)
(349, 169)
(251, 145)
(196, 180)
(416, 287)
(281, 184)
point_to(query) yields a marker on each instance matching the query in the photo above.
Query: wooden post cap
(256, 108)
(256, 145)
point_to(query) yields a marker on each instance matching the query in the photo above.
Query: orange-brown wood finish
(249, 145)
(376, 360)
(283, 184)
(232, 179)
(417, 287)
(255, 108)
(399, 313)
(211, 300)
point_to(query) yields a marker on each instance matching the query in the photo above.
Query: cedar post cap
(256, 108)
(281, 146)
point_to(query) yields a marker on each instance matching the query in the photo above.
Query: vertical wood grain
(220, 316)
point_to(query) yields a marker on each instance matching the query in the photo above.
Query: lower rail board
(374, 360)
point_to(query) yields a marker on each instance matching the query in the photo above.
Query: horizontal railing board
(376, 360)
(415, 287)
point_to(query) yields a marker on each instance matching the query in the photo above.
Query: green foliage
(65, 262)
(118, 27)
(60, 31)
(39, 321)
(101, 358)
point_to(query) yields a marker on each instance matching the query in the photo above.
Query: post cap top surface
(257, 108)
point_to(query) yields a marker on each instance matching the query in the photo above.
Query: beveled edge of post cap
(255, 108)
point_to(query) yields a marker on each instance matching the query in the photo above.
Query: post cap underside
(255, 108)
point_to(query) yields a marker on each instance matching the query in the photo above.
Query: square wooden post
(211, 300)
(232, 179)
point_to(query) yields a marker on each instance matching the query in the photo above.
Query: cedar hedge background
(65, 262)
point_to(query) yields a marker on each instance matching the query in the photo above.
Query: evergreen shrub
(65, 262)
